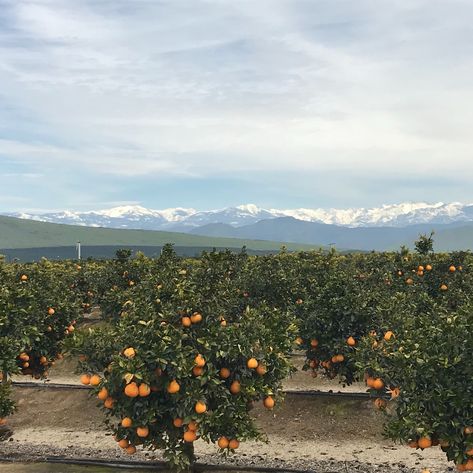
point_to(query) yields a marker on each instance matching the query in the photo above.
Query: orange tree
(187, 360)
(342, 296)
(424, 362)
(37, 311)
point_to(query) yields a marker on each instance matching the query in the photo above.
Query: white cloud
(206, 87)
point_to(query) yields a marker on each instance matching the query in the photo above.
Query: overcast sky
(204, 104)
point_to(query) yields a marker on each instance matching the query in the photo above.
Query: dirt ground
(315, 434)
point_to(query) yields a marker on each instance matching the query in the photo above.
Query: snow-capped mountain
(182, 219)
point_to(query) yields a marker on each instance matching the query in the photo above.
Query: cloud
(211, 89)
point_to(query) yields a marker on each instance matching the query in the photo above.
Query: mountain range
(380, 228)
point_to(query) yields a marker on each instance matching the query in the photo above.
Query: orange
(233, 444)
(109, 402)
(468, 430)
(173, 387)
(85, 379)
(103, 394)
(409, 281)
(192, 425)
(95, 380)
(420, 268)
(190, 436)
(413, 444)
(380, 403)
(268, 402)
(24, 357)
(452, 269)
(224, 373)
(299, 341)
(428, 267)
(197, 371)
(199, 361)
(127, 422)
(142, 432)
(123, 443)
(469, 464)
(351, 341)
(252, 363)
(469, 452)
(144, 390)
(443, 287)
(223, 442)
(388, 335)
(186, 321)
(196, 318)
(129, 352)
(424, 442)
(51, 311)
(378, 384)
(261, 369)
(178, 422)
(235, 387)
(43, 360)
(131, 450)
(314, 343)
(24, 277)
(200, 407)
(132, 390)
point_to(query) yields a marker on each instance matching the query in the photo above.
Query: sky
(214, 103)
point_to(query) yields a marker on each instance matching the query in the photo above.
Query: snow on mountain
(185, 219)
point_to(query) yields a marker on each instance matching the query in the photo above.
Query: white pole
(78, 250)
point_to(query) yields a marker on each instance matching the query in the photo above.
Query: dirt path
(311, 433)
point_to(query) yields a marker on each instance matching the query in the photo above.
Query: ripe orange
(129, 352)
(443, 287)
(409, 281)
(235, 387)
(144, 390)
(127, 422)
(123, 443)
(378, 384)
(388, 335)
(132, 390)
(43, 360)
(395, 392)
(261, 369)
(186, 321)
(197, 371)
(51, 311)
(233, 444)
(252, 363)
(95, 380)
(351, 342)
(24, 357)
(85, 379)
(103, 394)
(200, 407)
(268, 402)
(223, 442)
(192, 425)
(173, 387)
(420, 268)
(428, 267)
(424, 442)
(299, 341)
(199, 361)
(24, 277)
(190, 436)
(468, 430)
(142, 432)
(224, 373)
(178, 422)
(314, 343)
(131, 450)
(109, 402)
(196, 318)
(380, 403)
(452, 269)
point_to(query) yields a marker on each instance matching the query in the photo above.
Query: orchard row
(190, 345)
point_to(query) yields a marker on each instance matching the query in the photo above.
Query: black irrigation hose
(310, 393)
(160, 465)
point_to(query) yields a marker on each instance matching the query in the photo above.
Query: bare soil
(315, 434)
